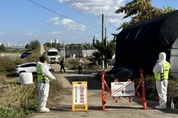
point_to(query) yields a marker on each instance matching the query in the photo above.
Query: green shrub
(4, 113)
(35, 55)
(71, 64)
(7, 65)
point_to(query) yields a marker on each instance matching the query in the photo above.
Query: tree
(35, 44)
(58, 46)
(48, 44)
(27, 46)
(140, 10)
(105, 48)
(2, 48)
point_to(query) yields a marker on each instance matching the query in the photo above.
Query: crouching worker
(161, 71)
(44, 76)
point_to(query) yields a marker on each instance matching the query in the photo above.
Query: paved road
(42, 50)
(122, 109)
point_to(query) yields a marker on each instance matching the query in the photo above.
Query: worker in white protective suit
(161, 71)
(44, 77)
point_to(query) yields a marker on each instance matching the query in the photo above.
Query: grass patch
(54, 93)
(18, 100)
(21, 100)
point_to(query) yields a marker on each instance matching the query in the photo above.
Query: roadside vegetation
(20, 100)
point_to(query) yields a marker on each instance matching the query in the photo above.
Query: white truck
(53, 56)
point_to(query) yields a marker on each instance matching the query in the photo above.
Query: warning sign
(122, 89)
(79, 96)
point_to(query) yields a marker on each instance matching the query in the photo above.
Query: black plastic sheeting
(138, 46)
(122, 74)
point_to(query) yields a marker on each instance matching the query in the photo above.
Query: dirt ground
(122, 109)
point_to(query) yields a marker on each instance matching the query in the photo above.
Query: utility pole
(102, 36)
(64, 51)
(106, 46)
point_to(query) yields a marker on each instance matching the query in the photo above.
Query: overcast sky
(70, 21)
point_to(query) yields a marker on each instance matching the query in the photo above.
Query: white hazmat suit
(43, 88)
(161, 85)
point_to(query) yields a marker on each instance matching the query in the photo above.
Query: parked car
(25, 54)
(28, 67)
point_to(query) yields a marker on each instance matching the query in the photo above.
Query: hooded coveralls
(44, 76)
(161, 71)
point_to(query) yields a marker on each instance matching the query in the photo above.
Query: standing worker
(45, 55)
(44, 76)
(62, 66)
(80, 66)
(161, 71)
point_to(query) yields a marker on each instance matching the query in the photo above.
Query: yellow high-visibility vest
(165, 74)
(41, 78)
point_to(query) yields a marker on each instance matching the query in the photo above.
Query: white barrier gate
(122, 89)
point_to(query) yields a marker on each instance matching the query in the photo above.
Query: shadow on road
(68, 108)
(92, 84)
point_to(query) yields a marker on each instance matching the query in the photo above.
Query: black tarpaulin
(138, 45)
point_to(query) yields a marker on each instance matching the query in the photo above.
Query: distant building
(56, 41)
(51, 41)
(77, 53)
(8, 44)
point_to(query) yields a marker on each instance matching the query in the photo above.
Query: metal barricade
(117, 92)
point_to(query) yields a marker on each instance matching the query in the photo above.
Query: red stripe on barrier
(121, 88)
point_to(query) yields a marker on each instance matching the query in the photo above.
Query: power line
(89, 13)
(111, 25)
(84, 9)
(89, 36)
(79, 11)
(59, 13)
(92, 34)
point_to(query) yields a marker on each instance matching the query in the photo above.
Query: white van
(53, 56)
